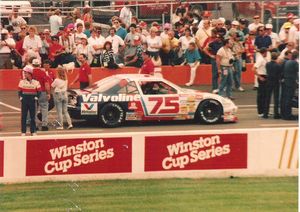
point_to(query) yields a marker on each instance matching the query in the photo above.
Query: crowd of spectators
(190, 40)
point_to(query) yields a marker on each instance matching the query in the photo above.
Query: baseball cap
(71, 26)
(222, 20)
(206, 14)
(290, 15)
(28, 69)
(287, 25)
(236, 23)
(36, 62)
(269, 26)
(46, 31)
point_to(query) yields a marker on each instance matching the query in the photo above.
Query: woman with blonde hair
(60, 86)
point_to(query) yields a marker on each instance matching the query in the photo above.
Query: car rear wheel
(209, 112)
(111, 115)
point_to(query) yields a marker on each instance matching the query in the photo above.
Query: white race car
(133, 97)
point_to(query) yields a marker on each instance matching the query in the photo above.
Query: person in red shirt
(85, 75)
(41, 76)
(148, 66)
(55, 52)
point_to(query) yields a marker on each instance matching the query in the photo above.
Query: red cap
(290, 15)
(206, 14)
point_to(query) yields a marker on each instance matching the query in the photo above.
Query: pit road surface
(247, 118)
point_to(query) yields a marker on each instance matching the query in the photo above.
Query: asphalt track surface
(247, 118)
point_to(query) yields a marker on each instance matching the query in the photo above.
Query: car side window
(156, 88)
(130, 88)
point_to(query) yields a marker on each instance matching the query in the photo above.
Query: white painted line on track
(57, 131)
(10, 106)
(278, 125)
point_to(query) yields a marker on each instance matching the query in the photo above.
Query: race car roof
(137, 77)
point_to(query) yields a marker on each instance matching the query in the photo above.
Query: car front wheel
(111, 115)
(209, 112)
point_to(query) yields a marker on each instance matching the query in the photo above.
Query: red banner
(78, 156)
(195, 152)
(1, 158)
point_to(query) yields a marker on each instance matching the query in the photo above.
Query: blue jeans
(61, 102)
(215, 74)
(43, 104)
(226, 81)
(237, 72)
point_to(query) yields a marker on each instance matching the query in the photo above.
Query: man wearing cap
(55, 22)
(220, 27)
(205, 17)
(225, 59)
(262, 40)
(130, 36)
(284, 34)
(235, 25)
(41, 76)
(6, 45)
(56, 51)
(274, 37)
(211, 50)
(203, 33)
(261, 73)
(243, 26)
(28, 91)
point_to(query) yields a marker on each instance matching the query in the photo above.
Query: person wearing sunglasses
(17, 22)
(257, 22)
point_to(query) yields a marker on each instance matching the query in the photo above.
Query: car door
(159, 100)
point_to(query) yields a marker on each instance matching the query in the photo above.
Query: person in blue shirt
(192, 58)
(120, 31)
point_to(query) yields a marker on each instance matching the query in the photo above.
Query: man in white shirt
(116, 41)
(126, 14)
(261, 73)
(16, 21)
(96, 41)
(274, 36)
(6, 44)
(79, 34)
(203, 33)
(55, 22)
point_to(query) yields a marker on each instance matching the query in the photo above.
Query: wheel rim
(112, 116)
(211, 111)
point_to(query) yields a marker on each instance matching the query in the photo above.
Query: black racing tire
(209, 111)
(111, 115)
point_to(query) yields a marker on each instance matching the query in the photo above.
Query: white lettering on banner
(196, 152)
(112, 98)
(79, 158)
